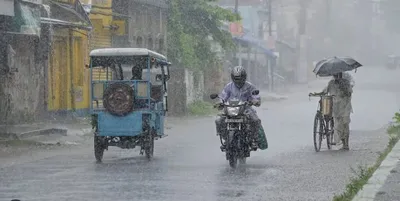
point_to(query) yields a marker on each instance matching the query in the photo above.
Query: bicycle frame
(326, 118)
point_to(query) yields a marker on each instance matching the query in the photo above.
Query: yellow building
(67, 77)
(101, 17)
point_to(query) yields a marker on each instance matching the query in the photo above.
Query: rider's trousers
(255, 123)
(342, 126)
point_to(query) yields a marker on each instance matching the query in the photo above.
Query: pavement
(391, 188)
(188, 164)
(47, 131)
(384, 185)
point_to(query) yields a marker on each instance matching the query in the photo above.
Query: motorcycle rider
(240, 89)
(341, 89)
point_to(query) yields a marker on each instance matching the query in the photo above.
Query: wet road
(188, 164)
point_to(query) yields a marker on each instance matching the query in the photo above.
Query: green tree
(191, 25)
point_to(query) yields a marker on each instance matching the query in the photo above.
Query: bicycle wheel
(318, 131)
(329, 133)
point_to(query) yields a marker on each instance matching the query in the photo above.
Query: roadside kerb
(33, 133)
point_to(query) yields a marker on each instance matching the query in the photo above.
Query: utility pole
(302, 63)
(328, 26)
(239, 48)
(328, 14)
(270, 17)
(237, 6)
(270, 38)
(303, 17)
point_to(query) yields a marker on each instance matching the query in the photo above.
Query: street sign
(236, 28)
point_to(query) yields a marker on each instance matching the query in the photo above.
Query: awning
(114, 14)
(67, 15)
(64, 23)
(286, 44)
(256, 43)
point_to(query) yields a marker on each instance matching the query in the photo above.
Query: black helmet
(239, 76)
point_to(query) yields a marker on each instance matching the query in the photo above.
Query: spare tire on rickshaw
(118, 99)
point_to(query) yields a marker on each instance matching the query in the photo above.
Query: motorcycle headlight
(232, 111)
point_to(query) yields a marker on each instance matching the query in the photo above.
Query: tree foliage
(191, 24)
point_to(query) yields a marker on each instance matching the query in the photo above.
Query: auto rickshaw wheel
(98, 149)
(118, 99)
(149, 145)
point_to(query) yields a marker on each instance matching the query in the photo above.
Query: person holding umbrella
(346, 76)
(341, 89)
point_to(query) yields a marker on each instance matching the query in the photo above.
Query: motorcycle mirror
(255, 92)
(214, 96)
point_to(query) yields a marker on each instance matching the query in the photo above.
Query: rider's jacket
(243, 94)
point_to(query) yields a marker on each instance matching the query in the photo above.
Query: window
(150, 43)
(149, 21)
(139, 41)
(161, 45)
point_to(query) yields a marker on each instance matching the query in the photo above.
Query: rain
(119, 99)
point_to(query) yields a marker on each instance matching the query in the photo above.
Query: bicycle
(323, 121)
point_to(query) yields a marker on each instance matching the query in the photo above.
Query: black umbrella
(334, 65)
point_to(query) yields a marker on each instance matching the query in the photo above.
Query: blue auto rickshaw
(128, 98)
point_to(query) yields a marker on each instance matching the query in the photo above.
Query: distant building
(145, 24)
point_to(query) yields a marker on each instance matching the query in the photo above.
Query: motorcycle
(238, 141)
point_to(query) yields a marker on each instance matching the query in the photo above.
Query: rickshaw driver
(342, 90)
(241, 89)
(137, 73)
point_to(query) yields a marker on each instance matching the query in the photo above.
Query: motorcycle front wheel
(232, 158)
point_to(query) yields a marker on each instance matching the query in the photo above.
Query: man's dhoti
(341, 128)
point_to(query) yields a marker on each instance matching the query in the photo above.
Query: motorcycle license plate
(234, 120)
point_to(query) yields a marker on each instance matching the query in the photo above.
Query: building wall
(20, 94)
(184, 88)
(101, 18)
(147, 26)
(194, 86)
(68, 83)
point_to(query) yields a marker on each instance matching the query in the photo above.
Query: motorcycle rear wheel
(242, 161)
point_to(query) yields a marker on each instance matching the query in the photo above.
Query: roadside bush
(201, 108)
